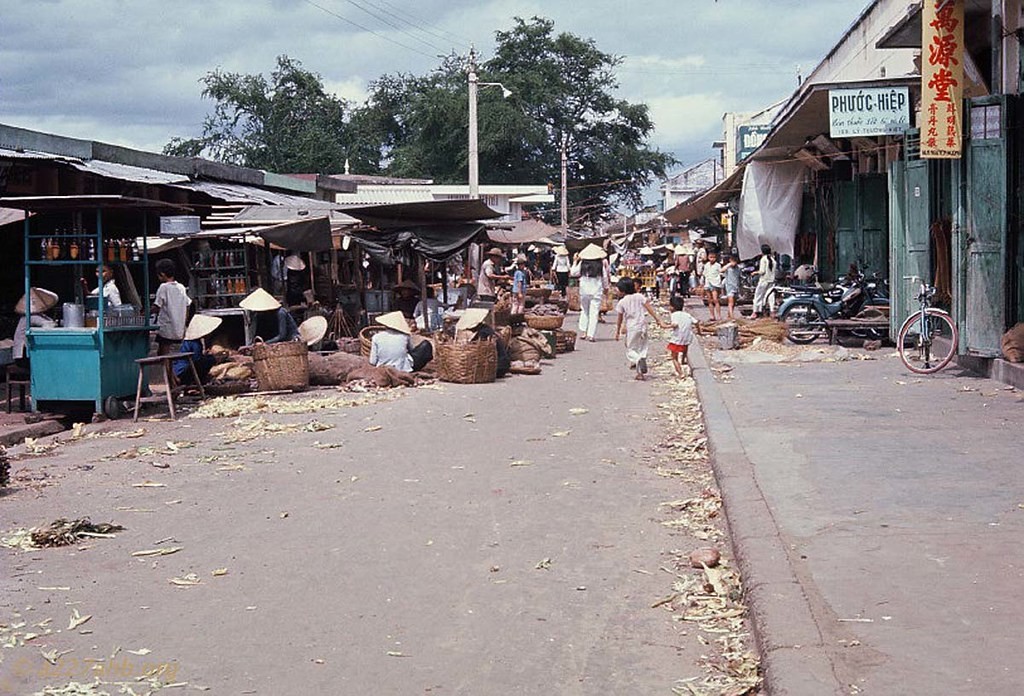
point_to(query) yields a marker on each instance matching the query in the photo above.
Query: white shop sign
(866, 112)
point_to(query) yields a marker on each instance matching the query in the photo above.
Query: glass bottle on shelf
(136, 254)
(44, 249)
(92, 249)
(73, 249)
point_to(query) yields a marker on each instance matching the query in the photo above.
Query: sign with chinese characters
(942, 78)
(866, 112)
(749, 138)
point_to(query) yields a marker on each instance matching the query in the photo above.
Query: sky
(128, 72)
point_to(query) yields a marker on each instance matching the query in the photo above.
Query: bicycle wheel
(803, 323)
(927, 344)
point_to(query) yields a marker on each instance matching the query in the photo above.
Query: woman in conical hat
(313, 329)
(393, 347)
(271, 316)
(39, 300)
(198, 328)
(591, 290)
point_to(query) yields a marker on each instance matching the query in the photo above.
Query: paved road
(878, 518)
(403, 561)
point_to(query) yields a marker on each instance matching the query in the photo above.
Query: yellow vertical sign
(942, 78)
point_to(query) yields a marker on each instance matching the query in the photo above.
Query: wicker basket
(472, 362)
(280, 366)
(572, 295)
(504, 333)
(366, 335)
(502, 315)
(541, 294)
(544, 322)
(565, 341)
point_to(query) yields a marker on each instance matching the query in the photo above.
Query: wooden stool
(167, 362)
(17, 377)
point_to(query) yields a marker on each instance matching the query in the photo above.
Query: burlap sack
(1013, 343)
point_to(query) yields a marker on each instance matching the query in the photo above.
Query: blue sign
(749, 138)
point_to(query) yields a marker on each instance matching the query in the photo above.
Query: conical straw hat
(259, 300)
(396, 321)
(592, 252)
(561, 250)
(294, 263)
(313, 329)
(471, 318)
(200, 326)
(41, 300)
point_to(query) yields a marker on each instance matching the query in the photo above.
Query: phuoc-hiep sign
(866, 112)
(942, 78)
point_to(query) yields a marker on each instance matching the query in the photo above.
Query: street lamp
(474, 147)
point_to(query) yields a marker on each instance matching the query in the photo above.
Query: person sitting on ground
(393, 347)
(270, 316)
(193, 344)
(472, 320)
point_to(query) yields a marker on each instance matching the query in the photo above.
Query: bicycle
(928, 338)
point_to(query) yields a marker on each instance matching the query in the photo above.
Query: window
(986, 122)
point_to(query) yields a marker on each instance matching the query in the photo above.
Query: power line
(385, 19)
(368, 30)
(420, 24)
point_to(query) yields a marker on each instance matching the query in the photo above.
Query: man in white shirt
(490, 274)
(171, 307)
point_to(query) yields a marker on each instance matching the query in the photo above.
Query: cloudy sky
(127, 71)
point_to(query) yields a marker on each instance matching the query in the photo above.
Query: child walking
(633, 309)
(682, 335)
(519, 281)
(732, 283)
(714, 282)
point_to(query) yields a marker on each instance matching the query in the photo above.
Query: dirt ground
(525, 537)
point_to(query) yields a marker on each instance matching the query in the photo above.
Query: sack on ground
(1013, 343)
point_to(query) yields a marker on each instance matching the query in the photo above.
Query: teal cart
(73, 237)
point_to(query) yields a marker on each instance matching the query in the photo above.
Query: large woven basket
(565, 341)
(545, 322)
(472, 362)
(539, 293)
(366, 335)
(502, 315)
(281, 366)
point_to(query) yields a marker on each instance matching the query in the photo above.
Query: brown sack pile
(1013, 343)
(529, 345)
(340, 368)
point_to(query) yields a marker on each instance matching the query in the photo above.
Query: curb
(794, 658)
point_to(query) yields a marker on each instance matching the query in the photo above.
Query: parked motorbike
(806, 311)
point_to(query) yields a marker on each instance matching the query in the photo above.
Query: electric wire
(367, 29)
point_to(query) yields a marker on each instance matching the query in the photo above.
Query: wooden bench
(20, 378)
(166, 362)
(834, 326)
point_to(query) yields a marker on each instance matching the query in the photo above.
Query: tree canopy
(562, 93)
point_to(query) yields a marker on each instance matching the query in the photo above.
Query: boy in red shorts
(682, 335)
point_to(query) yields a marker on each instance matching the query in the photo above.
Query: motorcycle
(805, 312)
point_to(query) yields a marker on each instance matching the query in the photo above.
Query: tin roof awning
(423, 213)
(807, 116)
(703, 204)
(252, 195)
(525, 232)
(44, 203)
(126, 172)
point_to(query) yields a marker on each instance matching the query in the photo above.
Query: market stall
(71, 241)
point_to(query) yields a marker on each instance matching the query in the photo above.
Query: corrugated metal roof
(239, 193)
(7, 153)
(385, 195)
(127, 172)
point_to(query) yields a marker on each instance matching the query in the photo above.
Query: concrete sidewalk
(876, 516)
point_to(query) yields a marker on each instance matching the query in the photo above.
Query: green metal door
(862, 232)
(873, 212)
(914, 247)
(985, 222)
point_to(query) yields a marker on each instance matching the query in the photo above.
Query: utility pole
(474, 147)
(565, 198)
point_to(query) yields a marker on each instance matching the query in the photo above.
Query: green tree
(562, 91)
(286, 124)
